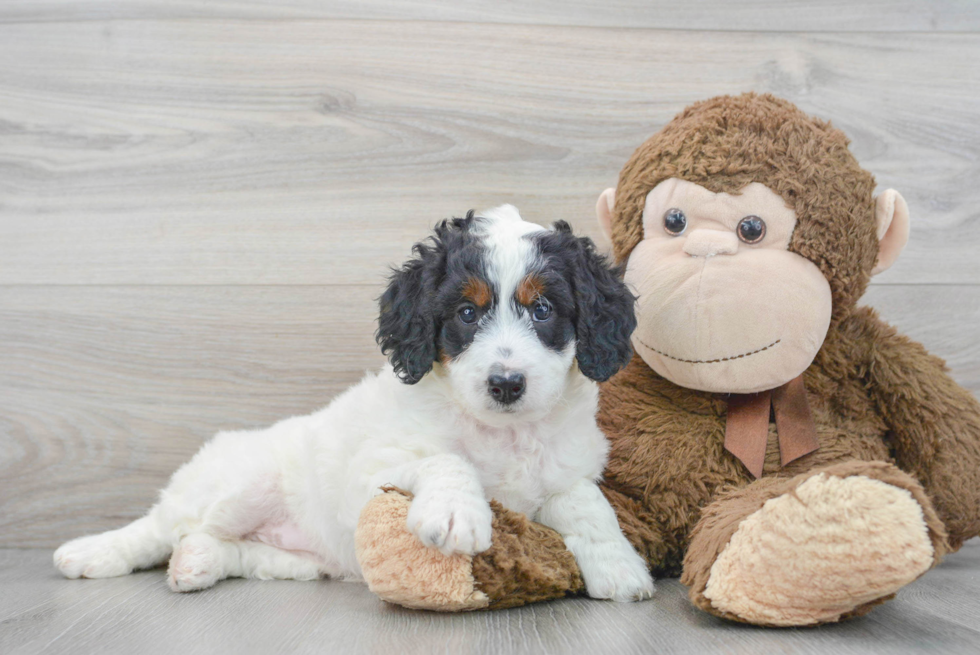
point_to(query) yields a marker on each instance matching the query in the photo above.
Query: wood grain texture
(44, 613)
(310, 152)
(107, 390)
(198, 201)
(750, 15)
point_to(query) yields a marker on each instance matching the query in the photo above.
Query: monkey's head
(748, 230)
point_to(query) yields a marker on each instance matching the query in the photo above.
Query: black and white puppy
(500, 329)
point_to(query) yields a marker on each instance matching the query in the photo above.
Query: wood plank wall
(199, 200)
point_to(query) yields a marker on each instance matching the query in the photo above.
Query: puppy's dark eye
(541, 311)
(467, 314)
(751, 229)
(675, 221)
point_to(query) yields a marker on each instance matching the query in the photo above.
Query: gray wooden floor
(41, 613)
(199, 201)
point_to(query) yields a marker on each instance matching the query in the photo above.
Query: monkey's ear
(604, 211)
(892, 218)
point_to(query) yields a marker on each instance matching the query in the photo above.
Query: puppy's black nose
(505, 389)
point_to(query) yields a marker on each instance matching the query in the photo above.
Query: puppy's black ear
(407, 323)
(604, 312)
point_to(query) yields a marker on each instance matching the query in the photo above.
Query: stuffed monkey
(787, 453)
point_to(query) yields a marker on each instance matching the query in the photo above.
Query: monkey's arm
(527, 562)
(933, 423)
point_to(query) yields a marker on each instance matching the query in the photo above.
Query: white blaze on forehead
(510, 255)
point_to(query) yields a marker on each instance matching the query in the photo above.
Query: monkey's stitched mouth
(707, 361)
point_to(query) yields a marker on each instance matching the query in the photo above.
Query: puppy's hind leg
(139, 545)
(265, 562)
(201, 560)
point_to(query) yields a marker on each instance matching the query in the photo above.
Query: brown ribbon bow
(747, 425)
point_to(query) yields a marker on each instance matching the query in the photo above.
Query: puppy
(496, 332)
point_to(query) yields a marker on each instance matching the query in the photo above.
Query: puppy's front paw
(460, 523)
(614, 571)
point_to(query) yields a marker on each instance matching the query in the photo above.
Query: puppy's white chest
(517, 469)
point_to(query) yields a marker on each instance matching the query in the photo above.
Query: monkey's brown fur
(884, 408)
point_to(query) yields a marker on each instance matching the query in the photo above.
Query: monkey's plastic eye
(467, 314)
(542, 311)
(675, 221)
(751, 229)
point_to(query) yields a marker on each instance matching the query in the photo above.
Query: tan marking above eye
(478, 292)
(530, 289)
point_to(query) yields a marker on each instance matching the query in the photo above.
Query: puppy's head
(506, 308)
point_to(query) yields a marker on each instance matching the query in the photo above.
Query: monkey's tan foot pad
(835, 546)
(526, 562)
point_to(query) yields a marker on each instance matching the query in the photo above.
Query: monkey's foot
(830, 547)
(525, 563)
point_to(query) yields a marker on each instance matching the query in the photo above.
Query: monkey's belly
(678, 465)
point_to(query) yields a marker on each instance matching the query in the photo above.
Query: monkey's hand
(933, 423)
